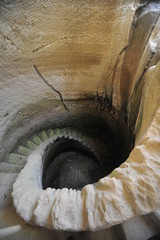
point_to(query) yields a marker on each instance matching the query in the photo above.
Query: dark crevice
(103, 100)
(53, 88)
(105, 103)
(117, 61)
(114, 69)
(116, 65)
(155, 237)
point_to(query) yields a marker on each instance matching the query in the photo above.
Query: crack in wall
(49, 85)
(37, 71)
(10, 41)
(113, 71)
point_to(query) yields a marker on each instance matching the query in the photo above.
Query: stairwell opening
(84, 154)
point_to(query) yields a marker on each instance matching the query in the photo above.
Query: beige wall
(56, 56)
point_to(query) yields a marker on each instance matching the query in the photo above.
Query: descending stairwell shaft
(79, 119)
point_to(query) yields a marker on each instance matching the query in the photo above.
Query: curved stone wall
(59, 59)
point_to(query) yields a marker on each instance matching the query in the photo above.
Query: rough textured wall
(53, 52)
(71, 44)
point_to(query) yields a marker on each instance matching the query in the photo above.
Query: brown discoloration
(74, 45)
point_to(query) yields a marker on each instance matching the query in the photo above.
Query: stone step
(157, 213)
(154, 218)
(23, 150)
(31, 145)
(57, 134)
(43, 136)
(63, 132)
(9, 231)
(50, 133)
(17, 159)
(139, 228)
(36, 139)
(10, 168)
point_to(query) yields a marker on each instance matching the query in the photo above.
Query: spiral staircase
(89, 58)
(138, 228)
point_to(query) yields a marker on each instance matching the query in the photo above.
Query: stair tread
(16, 158)
(157, 213)
(43, 136)
(139, 228)
(36, 140)
(9, 167)
(23, 150)
(31, 145)
(50, 133)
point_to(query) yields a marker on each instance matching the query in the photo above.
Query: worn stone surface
(74, 50)
(130, 190)
(52, 52)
